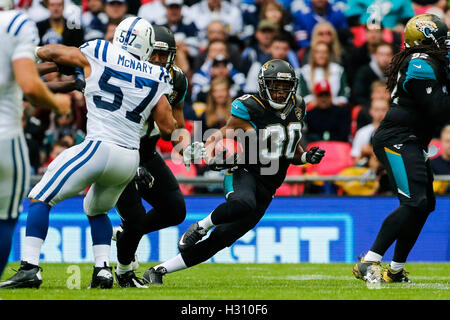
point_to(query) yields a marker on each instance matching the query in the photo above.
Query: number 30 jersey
(278, 134)
(120, 93)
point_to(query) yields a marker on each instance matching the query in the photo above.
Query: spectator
(326, 121)
(251, 16)
(323, 32)
(314, 12)
(279, 49)
(154, 12)
(218, 104)
(259, 52)
(57, 147)
(185, 33)
(275, 12)
(116, 10)
(218, 65)
(217, 32)
(110, 29)
(34, 136)
(441, 164)
(363, 55)
(392, 14)
(361, 147)
(56, 29)
(447, 16)
(367, 74)
(94, 21)
(64, 128)
(205, 11)
(378, 91)
(38, 11)
(320, 67)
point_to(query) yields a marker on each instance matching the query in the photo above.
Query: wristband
(303, 157)
(36, 57)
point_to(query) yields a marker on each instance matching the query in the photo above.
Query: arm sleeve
(26, 38)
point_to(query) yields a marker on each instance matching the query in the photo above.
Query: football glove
(193, 152)
(143, 179)
(313, 156)
(219, 162)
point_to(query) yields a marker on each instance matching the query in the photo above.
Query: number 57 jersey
(120, 93)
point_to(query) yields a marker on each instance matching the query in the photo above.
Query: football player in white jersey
(122, 91)
(19, 77)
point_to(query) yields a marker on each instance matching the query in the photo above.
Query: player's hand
(194, 152)
(64, 103)
(314, 155)
(143, 179)
(80, 84)
(219, 162)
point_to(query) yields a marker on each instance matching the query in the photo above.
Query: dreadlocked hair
(439, 54)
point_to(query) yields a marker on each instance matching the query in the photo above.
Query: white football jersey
(19, 38)
(120, 93)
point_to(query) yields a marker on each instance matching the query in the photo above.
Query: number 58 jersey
(120, 93)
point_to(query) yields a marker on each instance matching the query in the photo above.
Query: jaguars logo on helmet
(276, 70)
(424, 29)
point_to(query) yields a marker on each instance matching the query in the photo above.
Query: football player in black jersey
(420, 105)
(154, 181)
(275, 113)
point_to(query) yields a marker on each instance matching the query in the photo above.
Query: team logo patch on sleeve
(298, 113)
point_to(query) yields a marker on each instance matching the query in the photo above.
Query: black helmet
(424, 29)
(276, 70)
(165, 41)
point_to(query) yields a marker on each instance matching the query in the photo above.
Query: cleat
(116, 234)
(28, 276)
(369, 271)
(154, 276)
(391, 276)
(129, 280)
(102, 277)
(193, 235)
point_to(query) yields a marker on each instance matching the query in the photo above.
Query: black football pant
(411, 177)
(169, 208)
(246, 202)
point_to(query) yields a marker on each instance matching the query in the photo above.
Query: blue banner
(293, 230)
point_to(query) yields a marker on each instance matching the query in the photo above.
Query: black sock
(127, 243)
(408, 235)
(391, 228)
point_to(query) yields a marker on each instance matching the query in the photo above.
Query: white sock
(372, 256)
(123, 268)
(397, 266)
(101, 254)
(174, 264)
(32, 250)
(206, 223)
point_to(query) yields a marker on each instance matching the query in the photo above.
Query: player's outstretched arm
(35, 90)
(46, 67)
(162, 114)
(65, 55)
(313, 156)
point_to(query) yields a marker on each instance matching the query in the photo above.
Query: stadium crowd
(339, 49)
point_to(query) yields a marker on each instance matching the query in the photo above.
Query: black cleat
(129, 280)
(28, 276)
(398, 276)
(192, 235)
(154, 276)
(102, 277)
(369, 271)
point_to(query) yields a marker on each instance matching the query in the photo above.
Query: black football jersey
(180, 86)
(277, 135)
(420, 103)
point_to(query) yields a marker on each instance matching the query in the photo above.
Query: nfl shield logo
(429, 90)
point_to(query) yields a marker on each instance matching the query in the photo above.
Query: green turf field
(243, 282)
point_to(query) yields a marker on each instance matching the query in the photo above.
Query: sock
(206, 223)
(123, 268)
(101, 229)
(174, 264)
(37, 220)
(397, 266)
(32, 250)
(372, 256)
(6, 234)
(101, 254)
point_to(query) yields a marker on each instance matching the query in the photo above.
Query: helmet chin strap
(277, 106)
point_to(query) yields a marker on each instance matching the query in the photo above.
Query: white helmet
(136, 36)
(7, 4)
